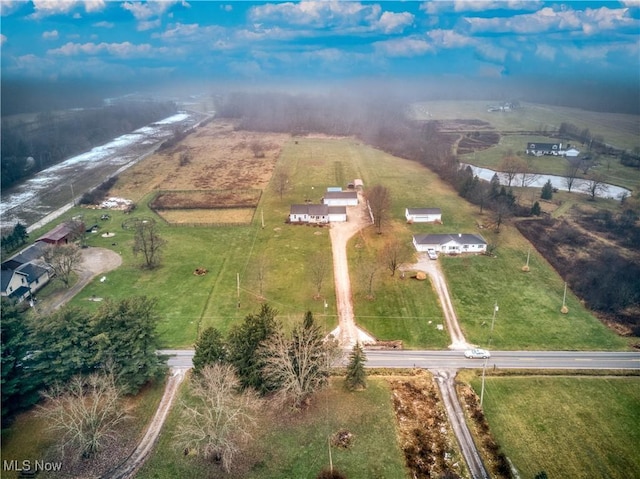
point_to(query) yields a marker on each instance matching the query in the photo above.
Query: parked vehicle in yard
(432, 253)
(477, 353)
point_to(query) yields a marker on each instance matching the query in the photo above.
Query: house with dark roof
(423, 215)
(25, 273)
(554, 149)
(317, 214)
(450, 243)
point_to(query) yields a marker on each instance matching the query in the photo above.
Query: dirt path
(445, 380)
(432, 268)
(137, 458)
(357, 218)
(95, 261)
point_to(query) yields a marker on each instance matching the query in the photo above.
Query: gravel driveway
(357, 218)
(95, 261)
(432, 268)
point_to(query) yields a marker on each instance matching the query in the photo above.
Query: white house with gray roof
(317, 214)
(450, 243)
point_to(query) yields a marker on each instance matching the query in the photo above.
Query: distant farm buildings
(340, 198)
(554, 149)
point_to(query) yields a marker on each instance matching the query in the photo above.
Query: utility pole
(238, 287)
(484, 369)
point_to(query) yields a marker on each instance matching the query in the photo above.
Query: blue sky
(319, 41)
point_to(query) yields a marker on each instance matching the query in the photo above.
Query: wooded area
(29, 146)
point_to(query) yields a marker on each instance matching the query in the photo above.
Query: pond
(558, 182)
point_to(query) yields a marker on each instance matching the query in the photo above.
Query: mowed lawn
(567, 426)
(401, 309)
(296, 444)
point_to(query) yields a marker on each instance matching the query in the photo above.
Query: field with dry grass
(215, 157)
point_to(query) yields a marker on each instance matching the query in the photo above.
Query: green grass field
(297, 444)
(406, 310)
(566, 426)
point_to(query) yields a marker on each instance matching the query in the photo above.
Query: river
(59, 187)
(559, 182)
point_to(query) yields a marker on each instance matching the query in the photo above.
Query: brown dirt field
(426, 438)
(208, 216)
(217, 157)
(170, 200)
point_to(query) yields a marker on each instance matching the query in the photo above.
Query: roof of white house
(335, 195)
(424, 211)
(337, 210)
(311, 209)
(441, 239)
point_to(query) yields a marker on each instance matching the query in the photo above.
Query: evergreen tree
(535, 209)
(547, 191)
(356, 377)
(19, 386)
(209, 349)
(126, 341)
(494, 186)
(244, 341)
(65, 345)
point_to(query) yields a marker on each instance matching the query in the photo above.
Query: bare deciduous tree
(298, 366)
(260, 269)
(368, 272)
(64, 259)
(379, 199)
(511, 166)
(85, 412)
(571, 172)
(319, 267)
(595, 185)
(220, 421)
(393, 254)
(281, 182)
(148, 242)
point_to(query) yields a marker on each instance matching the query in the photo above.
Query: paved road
(440, 360)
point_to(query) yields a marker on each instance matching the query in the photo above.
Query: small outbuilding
(61, 234)
(423, 215)
(340, 198)
(450, 243)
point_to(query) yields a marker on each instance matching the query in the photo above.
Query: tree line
(31, 146)
(258, 365)
(43, 352)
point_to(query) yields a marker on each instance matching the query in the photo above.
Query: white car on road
(432, 253)
(477, 353)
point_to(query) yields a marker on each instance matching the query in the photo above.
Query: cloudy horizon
(592, 44)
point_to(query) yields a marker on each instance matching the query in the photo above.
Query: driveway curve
(439, 282)
(95, 261)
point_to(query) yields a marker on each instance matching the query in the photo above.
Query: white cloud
(120, 50)
(45, 8)
(335, 15)
(149, 14)
(449, 39)
(51, 35)
(104, 24)
(7, 7)
(437, 6)
(3, 39)
(395, 22)
(547, 19)
(546, 52)
(403, 47)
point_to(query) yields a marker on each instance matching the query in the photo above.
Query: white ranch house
(317, 214)
(554, 149)
(340, 198)
(450, 243)
(423, 215)
(25, 273)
